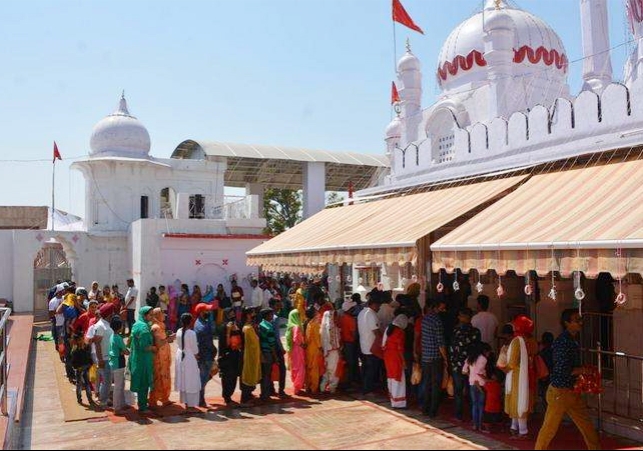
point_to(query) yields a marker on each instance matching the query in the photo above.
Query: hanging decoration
(621, 298)
(440, 286)
(456, 284)
(553, 294)
(529, 289)
(500, 291)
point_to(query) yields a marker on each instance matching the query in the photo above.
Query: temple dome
(120, 135)
(536, 46)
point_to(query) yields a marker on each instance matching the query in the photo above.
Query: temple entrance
(49, 267)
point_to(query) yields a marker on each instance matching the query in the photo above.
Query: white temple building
(508, 185)
(164, 221)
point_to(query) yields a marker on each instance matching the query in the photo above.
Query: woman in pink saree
(295, 343)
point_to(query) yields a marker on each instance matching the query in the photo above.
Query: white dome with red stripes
(537, 48)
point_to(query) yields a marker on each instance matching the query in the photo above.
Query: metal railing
(4, 366)
(622, 379)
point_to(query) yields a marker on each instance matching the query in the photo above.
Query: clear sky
(309, 73)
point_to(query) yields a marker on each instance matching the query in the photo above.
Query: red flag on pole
(56, 153)
(401, 16)
(395, 96)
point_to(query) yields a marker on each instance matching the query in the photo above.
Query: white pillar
(182, 206)
(499, 55)
(597, 67)
(314, 188)
(256, 189)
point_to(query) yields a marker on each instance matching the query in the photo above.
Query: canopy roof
(383, 231)
(561, 221)
(282, 167)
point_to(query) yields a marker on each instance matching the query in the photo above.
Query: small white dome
(408, 62)
(535, 44)
(394, 129)
(120, 135)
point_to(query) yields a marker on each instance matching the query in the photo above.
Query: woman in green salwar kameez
(141, 361)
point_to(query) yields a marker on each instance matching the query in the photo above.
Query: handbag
(235, 342)
(416, 375)
(542, 372)
(275, 373)
(376, 349)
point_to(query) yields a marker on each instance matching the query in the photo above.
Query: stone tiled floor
(343, 423)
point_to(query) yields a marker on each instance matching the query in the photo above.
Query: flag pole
(53, 191)
(394, 56)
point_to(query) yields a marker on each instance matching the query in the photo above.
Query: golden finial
(498, 2)
(408, 45)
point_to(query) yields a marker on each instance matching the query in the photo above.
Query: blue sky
(309, 73)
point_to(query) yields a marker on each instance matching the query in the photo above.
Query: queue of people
(382, 345)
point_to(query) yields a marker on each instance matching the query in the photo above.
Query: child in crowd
(493, 400)
(117, 353)
(81, 361)
(476, 367)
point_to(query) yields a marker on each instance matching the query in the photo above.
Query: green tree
(334, 198)
(282, 209)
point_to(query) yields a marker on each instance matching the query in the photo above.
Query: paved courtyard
(344, 423)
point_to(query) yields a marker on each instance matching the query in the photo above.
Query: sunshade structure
(281, 167)
(587, 219)
(382, 231)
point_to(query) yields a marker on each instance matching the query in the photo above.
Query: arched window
(441, 130)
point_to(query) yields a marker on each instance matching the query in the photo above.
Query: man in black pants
(276, 305)
(434, 359)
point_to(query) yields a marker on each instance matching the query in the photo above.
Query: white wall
(161, 260)
(6, 264)
(564, 129)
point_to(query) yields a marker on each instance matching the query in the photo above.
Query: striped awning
(383, 231)
(588, 219)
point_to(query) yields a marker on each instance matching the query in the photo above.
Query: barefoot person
(141, 362)
(187, 380)
(296, 346)
(162, 361)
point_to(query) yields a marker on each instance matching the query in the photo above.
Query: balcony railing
(4, 367)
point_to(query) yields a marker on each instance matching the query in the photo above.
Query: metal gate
(50, 266)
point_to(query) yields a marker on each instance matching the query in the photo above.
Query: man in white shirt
(486, 322)
(267, 296)
(130, 304)
(369, 332)
(257, 294)
(100, 335)
(57, 319)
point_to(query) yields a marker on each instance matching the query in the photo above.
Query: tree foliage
(282, 209)
(334, 198)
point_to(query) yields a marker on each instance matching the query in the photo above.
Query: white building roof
(281, 167)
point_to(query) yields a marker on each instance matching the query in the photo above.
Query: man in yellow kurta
(519, 400)
(314, 353)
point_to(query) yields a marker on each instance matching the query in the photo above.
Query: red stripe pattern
(549, 57)
(474, 58)
(635, 12)
(465, 63)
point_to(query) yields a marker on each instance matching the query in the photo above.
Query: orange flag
(56, 153)
(395, 96)
(401, 16)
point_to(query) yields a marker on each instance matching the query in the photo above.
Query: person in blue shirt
(207, 351)
(561, 397)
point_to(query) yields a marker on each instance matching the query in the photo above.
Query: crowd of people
(376, 345)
